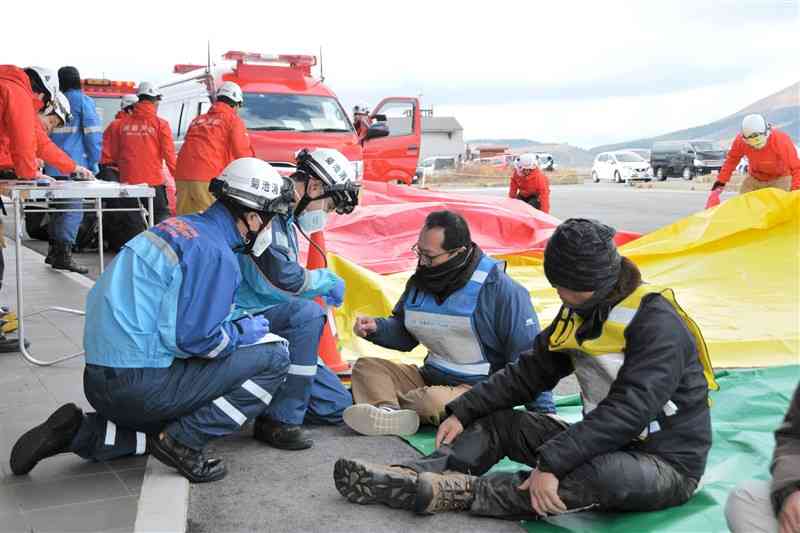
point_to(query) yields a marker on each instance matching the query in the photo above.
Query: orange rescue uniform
(777, 159)
(18, 109)
(144, 141)
(534, 184)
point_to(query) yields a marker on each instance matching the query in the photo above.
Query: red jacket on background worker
(529, 184)
(108, 154)
(19, 104)
(213, 140)
(771, 154)
(143, 145)
(46, 150)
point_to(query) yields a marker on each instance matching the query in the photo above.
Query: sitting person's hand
(789, 517)
(365, 326)
(448, 430)
(543, 487)
(252, 328)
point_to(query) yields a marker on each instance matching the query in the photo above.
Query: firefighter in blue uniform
(278, 287)
(167, 369)
(81, 138)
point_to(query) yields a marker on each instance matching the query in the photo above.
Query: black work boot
(280, 435)
(51, 252)
(365, 483)
(50, 438)
(62, 258)
(192, 464)
(448, 491)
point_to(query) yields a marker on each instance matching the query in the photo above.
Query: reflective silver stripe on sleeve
(93, 129)
(221, 346)
(66, 129)
(303, 370)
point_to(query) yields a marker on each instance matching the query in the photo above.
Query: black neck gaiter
(443, 280)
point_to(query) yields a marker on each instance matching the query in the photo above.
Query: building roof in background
(440, 125)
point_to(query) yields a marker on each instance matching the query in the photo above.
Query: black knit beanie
(68, 78)
(581, 256)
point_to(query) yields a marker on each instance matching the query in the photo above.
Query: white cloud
(451, 50)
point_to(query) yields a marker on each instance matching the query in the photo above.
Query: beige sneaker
(448, 491)
(367, 483)
(370, 420)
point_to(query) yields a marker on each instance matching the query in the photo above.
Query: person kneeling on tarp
(644, 374)
(764, 506)
(166, 369)
(470, 315)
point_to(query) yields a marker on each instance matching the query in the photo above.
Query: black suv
(686, 158)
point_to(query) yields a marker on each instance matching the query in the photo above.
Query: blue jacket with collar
(167, 294)
(82, 137)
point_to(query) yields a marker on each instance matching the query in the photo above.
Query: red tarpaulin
(379, 234)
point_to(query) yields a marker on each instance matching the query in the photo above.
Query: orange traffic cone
(328, 349)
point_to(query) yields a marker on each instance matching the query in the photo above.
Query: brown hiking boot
(448, 491)
(366, 483)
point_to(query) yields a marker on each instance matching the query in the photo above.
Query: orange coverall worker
(213, 140)
(18, 108)
(533, 189)
(777, 160)
(143, 143)
(46, 150)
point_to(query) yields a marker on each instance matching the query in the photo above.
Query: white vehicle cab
(621, 166)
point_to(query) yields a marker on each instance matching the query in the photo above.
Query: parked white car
(621, 166)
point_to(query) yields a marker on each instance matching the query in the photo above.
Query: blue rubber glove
(335, 295)
(252, 328)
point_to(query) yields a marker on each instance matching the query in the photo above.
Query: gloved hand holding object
(335, 295)
(251, 329)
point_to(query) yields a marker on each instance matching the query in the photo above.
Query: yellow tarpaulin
(734, 268)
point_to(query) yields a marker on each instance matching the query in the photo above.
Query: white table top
(27, 190)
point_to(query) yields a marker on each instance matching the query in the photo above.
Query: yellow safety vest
(597, 361)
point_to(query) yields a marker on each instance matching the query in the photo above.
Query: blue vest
(448, 329)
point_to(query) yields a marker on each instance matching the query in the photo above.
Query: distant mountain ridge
(781, 109)
(564, 154)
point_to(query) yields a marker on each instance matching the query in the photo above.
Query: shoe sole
(356, 482)
(373, 421)
(162, 455)
(41, 441)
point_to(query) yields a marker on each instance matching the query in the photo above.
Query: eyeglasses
(754, 135)
(428, 259)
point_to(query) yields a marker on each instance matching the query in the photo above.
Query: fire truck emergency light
(294, 60)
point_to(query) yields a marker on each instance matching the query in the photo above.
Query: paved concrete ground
(618, 205)
(280, 491)
(64, 493)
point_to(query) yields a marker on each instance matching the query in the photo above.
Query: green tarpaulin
(746, 410)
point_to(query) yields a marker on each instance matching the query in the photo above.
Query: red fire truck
(286, 108)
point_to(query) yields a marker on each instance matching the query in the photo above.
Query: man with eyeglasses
(470, 315)
(772, 158)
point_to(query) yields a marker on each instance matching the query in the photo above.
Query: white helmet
(232, 91)
(127, 100)
(337, 174)
(147, 88)
(527, 162)
(48, 79)
(61, 108)
(755, 130)
(254, 184)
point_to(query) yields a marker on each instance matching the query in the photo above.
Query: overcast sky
(586, 73)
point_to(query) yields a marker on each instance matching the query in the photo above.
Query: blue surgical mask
(312, 221)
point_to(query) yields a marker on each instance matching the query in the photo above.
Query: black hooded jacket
(661, 364)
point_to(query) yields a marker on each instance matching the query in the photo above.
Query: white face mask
(312, 221)
(263, 240)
